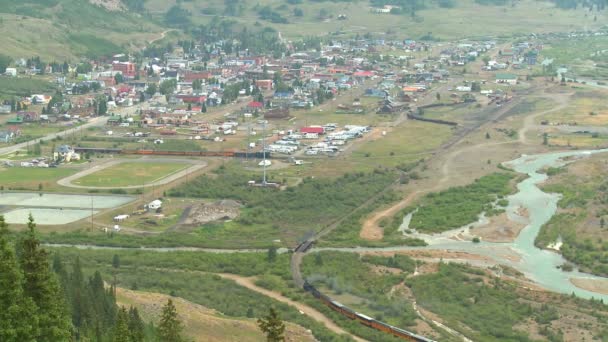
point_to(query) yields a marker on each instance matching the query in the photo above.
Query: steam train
(363, 319)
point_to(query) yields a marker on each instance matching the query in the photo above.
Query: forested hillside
(41, 302)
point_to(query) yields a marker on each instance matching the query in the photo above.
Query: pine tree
(272, 326)
(272, 254)
(42, 287)
(169, 327)
(116, 261)
(18, 321)
(121, 329)
(136, 326)
(77, 295)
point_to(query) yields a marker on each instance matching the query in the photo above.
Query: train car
(364, 319)
(304, 246)
(229, 154)
(343, 309)
(97, 150)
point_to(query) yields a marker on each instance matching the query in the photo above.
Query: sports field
(130, 174)
(31, 178)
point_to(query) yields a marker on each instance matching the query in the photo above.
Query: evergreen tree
(116, 261)
(42, 287)
(272, 326)
(77, 296)
(169, 327)
(136, 326)
(121, 329)
(18, 320)
(272, 254)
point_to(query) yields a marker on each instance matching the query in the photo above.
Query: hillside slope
(66, 29)
(460, 19)
(200, 323)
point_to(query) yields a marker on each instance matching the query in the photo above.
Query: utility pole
(92, 212)
(264, 152)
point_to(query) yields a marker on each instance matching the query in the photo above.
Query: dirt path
(161, 37)
(307, 310)
(201, 323)
(371, 229)
(562, 99)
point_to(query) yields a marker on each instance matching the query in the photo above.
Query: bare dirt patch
(599, 286)
(385, 270)
(209, 212)
(499, 229)
(110, 5)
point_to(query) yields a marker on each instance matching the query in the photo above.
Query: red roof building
(363, 74)
(192, 98)
(312, 129)
(127, 69)
(264, 84)
(255, 105)
(192, 76)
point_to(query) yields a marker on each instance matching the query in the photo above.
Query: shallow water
(33, 199)
(46, 216)
(537, 264)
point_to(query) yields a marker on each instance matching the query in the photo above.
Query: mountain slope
(67, 29)
(201, 323)
(460, 19)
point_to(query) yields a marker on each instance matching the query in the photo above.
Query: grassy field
(403, 144)
(130, 173)
(578, 140)
(30, 178)
(585, 56)
(587, 108)
(24, 86)
(412, 140)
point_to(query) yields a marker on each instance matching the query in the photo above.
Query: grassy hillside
(66, 29)
(321, 17)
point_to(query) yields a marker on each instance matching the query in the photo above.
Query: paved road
(94, 122)
(98, 121)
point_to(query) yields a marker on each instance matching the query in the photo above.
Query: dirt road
(161, 37)
(307, 310)
(98, 121)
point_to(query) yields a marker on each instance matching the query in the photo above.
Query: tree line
(44, 302)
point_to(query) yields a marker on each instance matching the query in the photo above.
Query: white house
(506, 78)
(65, 153)
(121, 218)
(156, 204)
